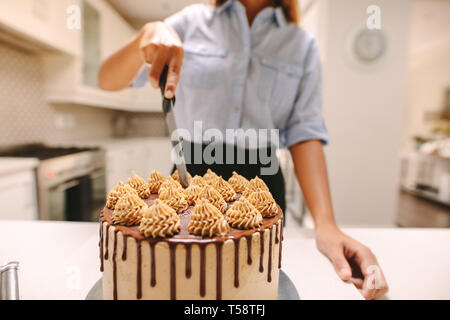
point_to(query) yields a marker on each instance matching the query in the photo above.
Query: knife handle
(166, 103)
(163, 79)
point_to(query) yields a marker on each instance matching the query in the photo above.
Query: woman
(246, 64)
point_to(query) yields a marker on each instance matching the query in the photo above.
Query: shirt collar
(280, 19)
(277, 13)
(224, 6)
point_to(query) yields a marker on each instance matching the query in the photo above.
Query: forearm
(311, 171)
(118, 70)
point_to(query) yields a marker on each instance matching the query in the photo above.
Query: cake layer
(243, 264)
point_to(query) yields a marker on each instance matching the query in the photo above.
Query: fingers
(173, 74)
(159, 47)
(161, 56)
(374, 284)
(357, 282)
(341, 265)
(154, 72)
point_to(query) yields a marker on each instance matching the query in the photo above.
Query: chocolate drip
(276, 233)
(124, 252)
(269, 266)
(249, 249)
(236, 262)
(261, 257)
(152, 264)
(279, 252)
(139, 270)
(202, 269)
(101, 247)
(219, 270)
(188, 260)
(115, 266)
(106, 242)
(173, 280)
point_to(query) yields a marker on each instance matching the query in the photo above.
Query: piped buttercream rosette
(210, 193)
(210, 176)
(192, 193)
(139, 184)
(169, 183)
(115, 194)
(264, 202)
(176, 176)
(159, 220)
(174, 197)
(238, 182)
(207, 220)
(198, 181)
(253, 185)
(128, 209)
(225, 189)
(243, 215)
(154, 181)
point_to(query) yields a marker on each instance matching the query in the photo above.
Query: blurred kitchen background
(64, 143)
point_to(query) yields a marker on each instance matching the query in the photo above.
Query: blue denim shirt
(235, 76)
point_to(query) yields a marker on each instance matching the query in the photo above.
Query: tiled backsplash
(26, 117)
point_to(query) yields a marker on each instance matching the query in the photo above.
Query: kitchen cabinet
(142, 156)
(18, 190)
(41, 24)
(70, 55)
(73, 79)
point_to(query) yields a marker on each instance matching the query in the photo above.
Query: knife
(176, 139)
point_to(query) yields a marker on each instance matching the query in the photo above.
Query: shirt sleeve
(178, 21)
(306, 121)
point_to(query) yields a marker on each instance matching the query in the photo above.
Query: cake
(160, 241)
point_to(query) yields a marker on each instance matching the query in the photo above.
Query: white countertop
(13, 165)
(60, 260)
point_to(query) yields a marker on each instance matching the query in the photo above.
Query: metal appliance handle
(67, 185)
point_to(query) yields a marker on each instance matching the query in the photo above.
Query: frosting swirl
(238, 182)
(155, 180)
(210, 176)
(243, 215)
(225, 189)
(128, 210)
(253, 185)
(192, 193)
(206, 220)
(115, 194)
(159, 220)
(174, 197)
(176, 176)
(264, 202)
(208, 192)
(139, 184)
(198, 181)
(169, 183)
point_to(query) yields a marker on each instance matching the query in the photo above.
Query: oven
(72, 187)
(78, 199)
(71, 183)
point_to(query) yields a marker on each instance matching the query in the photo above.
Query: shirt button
(236, 109)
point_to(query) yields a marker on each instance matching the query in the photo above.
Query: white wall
(363, 108)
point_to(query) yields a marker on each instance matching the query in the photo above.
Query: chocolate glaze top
(184, 236)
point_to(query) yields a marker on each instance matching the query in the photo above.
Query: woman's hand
(160, 45)
(157, 45)
(352, 261)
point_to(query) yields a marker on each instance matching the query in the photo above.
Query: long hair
(289, 7)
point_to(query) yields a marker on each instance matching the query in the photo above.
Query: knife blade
(176, 139)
